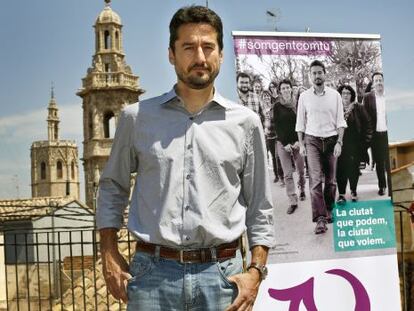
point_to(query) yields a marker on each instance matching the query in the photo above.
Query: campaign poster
(349, 262)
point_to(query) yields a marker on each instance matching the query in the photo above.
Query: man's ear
(221, 56)
(171, 56)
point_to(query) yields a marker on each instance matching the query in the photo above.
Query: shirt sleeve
(115, 181)
(301, 116)
(256, 191)
(340, 119)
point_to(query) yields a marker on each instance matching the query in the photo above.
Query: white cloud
(18, 128)
(399, 99)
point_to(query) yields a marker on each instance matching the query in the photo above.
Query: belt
(218, 253)
(324, 138)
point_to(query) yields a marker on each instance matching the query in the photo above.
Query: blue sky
(53, 40)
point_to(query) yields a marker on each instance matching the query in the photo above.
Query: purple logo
(305, 293)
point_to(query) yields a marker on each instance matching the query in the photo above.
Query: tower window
(117, 42)
(72, 170)
(107, 38)
(55, 134)
(43, 170)
(59, 170)
(90, 125)
(109, 124)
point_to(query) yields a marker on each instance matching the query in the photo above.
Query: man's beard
(244, 90)
(198, 82)
(379, 88)
(319, 82)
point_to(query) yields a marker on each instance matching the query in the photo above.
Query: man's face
(257, 87)
(196, 56)
(286, 90)
(243, 84)
(346, 96)
(317, 75)
(295, 89)
(378, 83)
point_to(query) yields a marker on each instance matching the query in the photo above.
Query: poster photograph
(347, 261)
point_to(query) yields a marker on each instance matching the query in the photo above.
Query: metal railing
(57, 270)
(403, 218)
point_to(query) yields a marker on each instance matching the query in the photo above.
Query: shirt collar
(217, 98)
(323, 93)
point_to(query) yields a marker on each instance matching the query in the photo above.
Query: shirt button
(188, 176)
(187, 207)
(189, 146)
(187, 238)
(191, 118)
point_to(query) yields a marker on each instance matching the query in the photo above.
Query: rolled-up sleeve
(256, 191)
(115, 181)
(301, 116)
(340, 119)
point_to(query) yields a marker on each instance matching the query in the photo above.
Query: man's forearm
(341, 131)
(114, 266)
(108, 239)
(259, 254)
(300, 137)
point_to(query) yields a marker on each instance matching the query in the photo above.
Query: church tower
(108, 87)
(54, 162)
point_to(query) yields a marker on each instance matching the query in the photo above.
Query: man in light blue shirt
(201, 181)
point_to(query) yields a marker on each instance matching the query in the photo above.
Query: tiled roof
(22, 209)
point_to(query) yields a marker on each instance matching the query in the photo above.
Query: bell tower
(108, 87)
(54, 162)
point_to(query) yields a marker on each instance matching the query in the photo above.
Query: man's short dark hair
(242, 75)
(284, 81)
(195, 14)
(317, 63)
(377, 73)
(349, 88)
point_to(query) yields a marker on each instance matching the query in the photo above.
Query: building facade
(108, 87)
(401, 154)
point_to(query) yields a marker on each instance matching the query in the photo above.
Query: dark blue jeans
(322, 170)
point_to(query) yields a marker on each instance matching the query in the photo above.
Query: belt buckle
(181, 256)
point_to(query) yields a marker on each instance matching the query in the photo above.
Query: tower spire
(107, 2)
(52, 117)
(52, 91)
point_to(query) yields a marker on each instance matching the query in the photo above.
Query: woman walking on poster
(357, 136)
(284, 117)
(270, 135)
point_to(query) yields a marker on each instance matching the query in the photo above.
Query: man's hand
(114, 266)
(296, 145)
(248, 286)
(288, 148)
(337, 150)
(302, 149)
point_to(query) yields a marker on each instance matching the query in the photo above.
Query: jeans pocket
(228, 268)
(140, 266)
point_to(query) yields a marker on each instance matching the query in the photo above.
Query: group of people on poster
(323, 130)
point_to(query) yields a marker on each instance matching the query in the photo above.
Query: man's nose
(199, 55)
